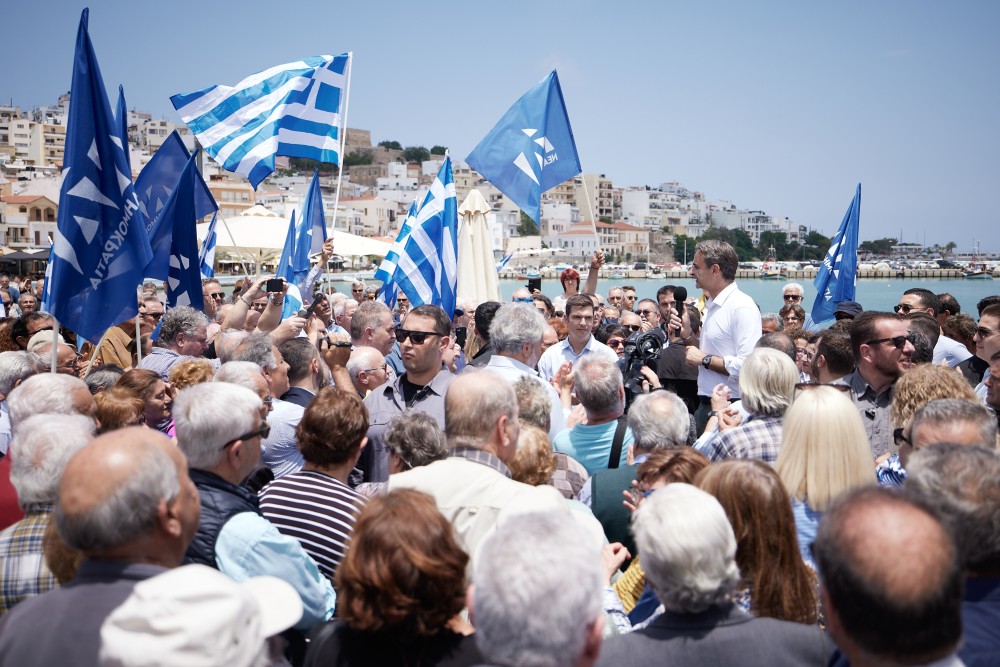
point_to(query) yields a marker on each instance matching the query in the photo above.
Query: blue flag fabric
(157, 180)
(175, 237)
(206, 256)
(101, 247)
(121, 122)
(293, 110)
(835, 281)
(311, 231)
(531, 149)
(387, 269)
(503, 262)
(427, 267)
(286, 270)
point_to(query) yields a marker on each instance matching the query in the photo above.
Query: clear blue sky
(776, 106)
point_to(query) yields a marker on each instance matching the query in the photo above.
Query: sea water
(871, 293)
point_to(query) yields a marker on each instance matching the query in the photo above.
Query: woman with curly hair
(400, 587)
(775, 583)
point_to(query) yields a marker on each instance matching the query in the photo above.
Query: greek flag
(291, 273)
(386, 270)
(531, 149)
(293, 110)
(503, 262)
(206, 256)
(100, 247)
(835, 281)
(427, 266)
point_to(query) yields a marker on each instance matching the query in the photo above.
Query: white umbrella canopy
(477, 272)
(260, 233)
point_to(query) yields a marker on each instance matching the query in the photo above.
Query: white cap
(195, 615)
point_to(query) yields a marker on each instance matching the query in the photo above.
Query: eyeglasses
(418, 337)
(358, 289)
(263, 432)
(633, 327)
(802, 386)
(268, 402)
(557, 313)
(905, 307)
(897, 341)
(523, 299)
(793, 297)
(155, 316)
(384, 368)
(216, 295)
(982, 332)
(645, 312)
(899, 438)
(616, 342)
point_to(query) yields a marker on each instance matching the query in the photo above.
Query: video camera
(641, 349)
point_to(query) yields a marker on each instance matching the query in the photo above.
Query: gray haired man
(183, 335)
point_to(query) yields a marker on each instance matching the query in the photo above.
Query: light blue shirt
(5, 429)
(250, 546)
(280, 452)
(562, 351)
(591, 445)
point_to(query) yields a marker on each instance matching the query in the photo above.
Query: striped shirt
(317, 510)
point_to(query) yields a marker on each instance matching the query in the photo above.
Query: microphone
(680, 296)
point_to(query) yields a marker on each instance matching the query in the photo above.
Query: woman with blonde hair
(824, 452)
(919, 386)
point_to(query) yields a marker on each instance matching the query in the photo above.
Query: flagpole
(340, 155)
(239, 251)
(590, 204)
(138, 336)
(55, 343)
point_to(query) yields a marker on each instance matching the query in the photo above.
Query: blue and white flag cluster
(311, 231)
(294, 110)
(206, 256)
(175, 243)
(101, 247)
(835, 281)
(531, 149)
(292, 273)
(386, 270)
(158, 178)
(426, 257)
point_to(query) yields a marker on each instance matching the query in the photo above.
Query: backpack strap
(617, 443)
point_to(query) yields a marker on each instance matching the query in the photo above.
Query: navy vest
(220, 501)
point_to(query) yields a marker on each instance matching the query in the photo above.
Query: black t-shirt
(411, 392)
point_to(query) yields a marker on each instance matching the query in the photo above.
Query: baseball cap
(852, 308)
(194, 615)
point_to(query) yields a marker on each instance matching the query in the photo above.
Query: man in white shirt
(516, 334)
(579, 320)
(730, 329)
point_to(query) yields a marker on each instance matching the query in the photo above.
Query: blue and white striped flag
(427, 266)
(503, 262)
(387, 268)
(206, 256)
(293, 110)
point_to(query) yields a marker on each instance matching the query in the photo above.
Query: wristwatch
(706, 361)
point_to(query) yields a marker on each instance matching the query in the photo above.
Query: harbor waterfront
(872, 293)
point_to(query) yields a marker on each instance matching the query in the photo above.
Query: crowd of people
(562, 481)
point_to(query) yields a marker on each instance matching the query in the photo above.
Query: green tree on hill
(439, 150)
(416, 154)
(394, 145)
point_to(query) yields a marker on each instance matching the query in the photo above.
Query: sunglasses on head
(897, 341)
(418, 337)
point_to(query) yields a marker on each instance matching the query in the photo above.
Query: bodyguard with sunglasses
(883, 350)
(423, 336)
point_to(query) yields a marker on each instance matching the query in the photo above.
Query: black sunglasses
(899, 438)
(897, 341)
(155, 316)
(905, 307)
(263, 432)
(633, 327)
(418, 337)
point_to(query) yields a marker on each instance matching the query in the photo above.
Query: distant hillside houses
(378, 186)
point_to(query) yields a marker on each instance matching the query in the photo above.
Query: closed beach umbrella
(477, 273)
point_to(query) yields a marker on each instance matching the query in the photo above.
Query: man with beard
(883, 347)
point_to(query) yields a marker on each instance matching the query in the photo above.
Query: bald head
(481, 411)
(127, 496)
(904, 607)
